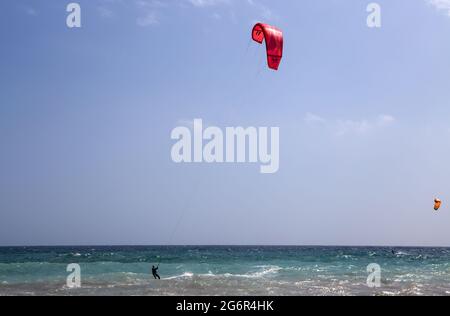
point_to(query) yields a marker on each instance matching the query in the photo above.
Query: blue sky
(86, 116)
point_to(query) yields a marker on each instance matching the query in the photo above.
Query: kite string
(185, 210)
(239, 91)
(174, 230)
(253, 80)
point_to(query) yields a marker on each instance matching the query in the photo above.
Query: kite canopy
(274, 42)
(437, 204)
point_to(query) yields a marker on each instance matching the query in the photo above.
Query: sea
(225, 270)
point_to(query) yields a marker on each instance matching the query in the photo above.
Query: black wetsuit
(155, 272)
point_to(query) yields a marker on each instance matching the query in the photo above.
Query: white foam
(182, 276)
(266, 270)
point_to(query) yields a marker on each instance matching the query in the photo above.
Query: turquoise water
(225, 270)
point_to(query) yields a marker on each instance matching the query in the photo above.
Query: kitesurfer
(155, 272)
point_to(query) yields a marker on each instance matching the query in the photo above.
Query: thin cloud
(264, 12)
(207, 3)
(150, 4)
(30, 11)
(216, 16)
(345, 127)
(151, 12)
(150, 18)
(441, 5)
(107, 8)
(261, 11)
(313, 118)
(354, 127)
(105, 12)
(363, 126)
(384, 120)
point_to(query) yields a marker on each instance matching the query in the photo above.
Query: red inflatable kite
(274, 42)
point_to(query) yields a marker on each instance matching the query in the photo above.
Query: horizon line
(221, 245)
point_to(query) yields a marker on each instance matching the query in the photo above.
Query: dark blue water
(225, 270)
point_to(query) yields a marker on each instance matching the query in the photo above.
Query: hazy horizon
(224, 245)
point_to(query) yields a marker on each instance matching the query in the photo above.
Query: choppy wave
(182, 276)
(225, 271)
(264, 271)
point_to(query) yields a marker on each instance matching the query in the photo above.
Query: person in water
(155, 272)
